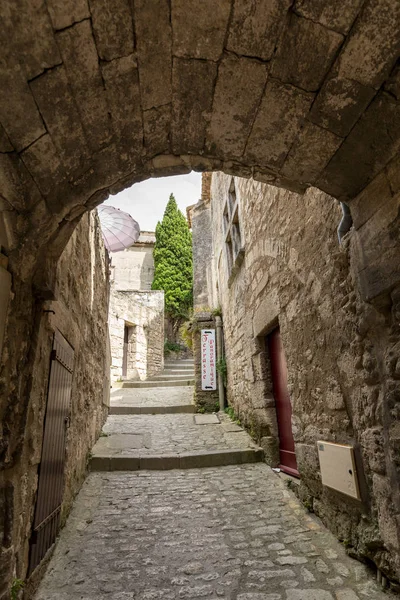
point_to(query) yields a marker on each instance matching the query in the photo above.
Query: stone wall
(79, 312)
(342, 352)
(204, 285)
(143, 314)
(133, 268)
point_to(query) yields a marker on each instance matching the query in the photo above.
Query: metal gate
(51, 469)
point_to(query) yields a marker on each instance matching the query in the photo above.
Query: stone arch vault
(98, 95)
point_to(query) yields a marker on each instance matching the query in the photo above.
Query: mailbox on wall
(338, 468)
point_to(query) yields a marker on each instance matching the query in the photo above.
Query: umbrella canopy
(118, 228)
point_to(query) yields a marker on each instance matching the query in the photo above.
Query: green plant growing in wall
(222, 369)
(16, 587)
(173, 262)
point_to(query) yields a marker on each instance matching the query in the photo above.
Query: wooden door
(282, 402)
(51, 468)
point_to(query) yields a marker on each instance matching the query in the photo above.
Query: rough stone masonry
(95, 96)
(342, 352)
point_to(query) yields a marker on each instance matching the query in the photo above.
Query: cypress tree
(173, 261)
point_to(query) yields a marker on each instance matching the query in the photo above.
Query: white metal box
(338, 468)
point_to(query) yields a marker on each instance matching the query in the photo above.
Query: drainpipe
(345, 223)
(221, 392)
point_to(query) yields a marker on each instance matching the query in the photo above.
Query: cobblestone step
(153, 384)
(188, 364)
(126, 409)
(187, 460)
(178, 370)
(167, 376)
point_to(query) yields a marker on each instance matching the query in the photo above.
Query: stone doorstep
(204, 419)
(151, 410)
(185, 460)
(152, 384)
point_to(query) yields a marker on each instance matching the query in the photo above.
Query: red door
(282, 402)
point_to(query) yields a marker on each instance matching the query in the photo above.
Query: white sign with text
(208, 361)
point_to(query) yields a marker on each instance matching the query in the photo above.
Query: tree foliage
(173, 261)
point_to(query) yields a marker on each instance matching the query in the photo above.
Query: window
(233, 237)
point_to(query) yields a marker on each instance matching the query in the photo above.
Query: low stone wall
(143, 314)
(342, 352)
(79, 312)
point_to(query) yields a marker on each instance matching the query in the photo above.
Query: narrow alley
(147, 526)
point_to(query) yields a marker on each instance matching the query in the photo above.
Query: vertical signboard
(208, 362)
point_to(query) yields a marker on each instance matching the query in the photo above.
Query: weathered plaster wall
(133, 268)
(80, 313)
(342, 352)
(143, 312)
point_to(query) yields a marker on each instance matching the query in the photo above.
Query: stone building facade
(78, 311)
(278, 262)
(136, 316)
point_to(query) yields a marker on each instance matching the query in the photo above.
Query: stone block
(256, 27)
(64, 14)
(373, 141)
(331, 13)
(121, 79)
(393, 174)
(199, 28)
(372, 443)
(58, 109)
(192, 92)
(162, 463)
(30, 35)
(309, 594)
(100, 463)
(278, 122)
(124, 463)
(153, 31)
(376, 195)
(5, 144)
(266, 314)
(306, 53)
(241, 80)
(366, 62)
(18, 112)
(339, 104)
(43, 162)
(206, 419)
(16, 183)
(79, 54)
(112, 28)
(310, 154)
(156, 124)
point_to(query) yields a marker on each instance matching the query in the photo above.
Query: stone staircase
(176, 373)
(153, 427)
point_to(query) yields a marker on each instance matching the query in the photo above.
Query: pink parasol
(118, 228)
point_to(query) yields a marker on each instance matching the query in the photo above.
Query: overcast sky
(146, 201)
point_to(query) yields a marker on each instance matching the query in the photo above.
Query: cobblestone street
(232, 532)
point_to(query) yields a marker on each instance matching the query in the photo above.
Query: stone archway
(96, 96)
